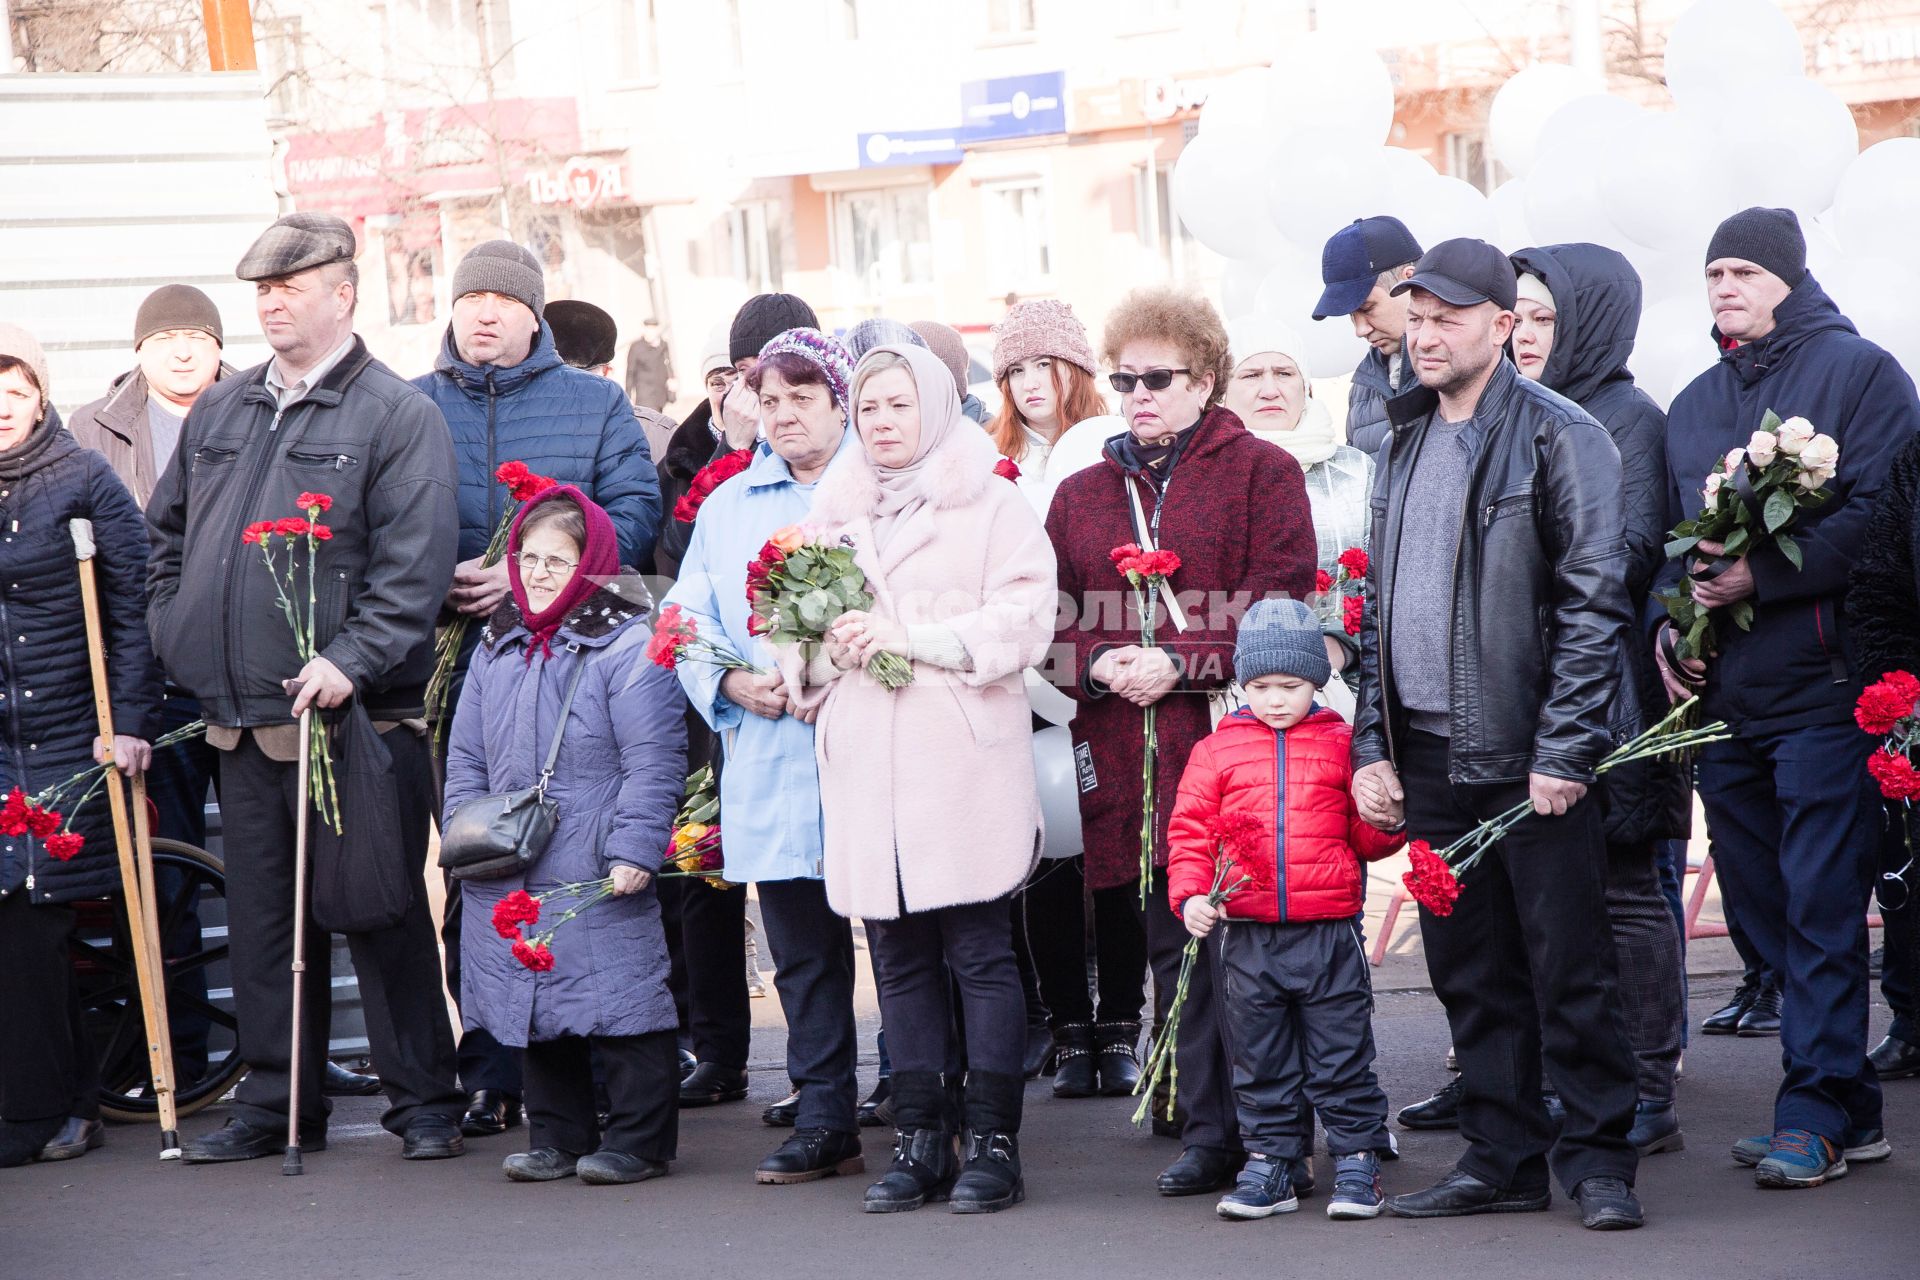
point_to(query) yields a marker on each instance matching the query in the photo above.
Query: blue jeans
(1797, 825)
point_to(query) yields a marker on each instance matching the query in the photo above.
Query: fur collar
(956, 476)
(614, 604)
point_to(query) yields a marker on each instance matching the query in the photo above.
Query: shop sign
(582, 182)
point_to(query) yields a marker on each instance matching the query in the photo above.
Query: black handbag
(361, 880)
(497, 835)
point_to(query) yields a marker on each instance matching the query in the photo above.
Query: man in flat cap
(585, 336)
(322, 416)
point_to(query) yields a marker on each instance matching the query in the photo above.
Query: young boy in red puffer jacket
(1294, 985)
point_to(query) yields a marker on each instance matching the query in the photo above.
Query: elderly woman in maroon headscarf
(931, 809)
(575, 623)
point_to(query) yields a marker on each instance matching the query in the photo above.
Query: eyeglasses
(554, 566)
(720, 381)
(1156, 380)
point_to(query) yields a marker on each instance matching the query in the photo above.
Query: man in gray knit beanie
(499, 294)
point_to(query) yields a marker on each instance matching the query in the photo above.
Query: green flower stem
(1163, 1057)
(1150, 757)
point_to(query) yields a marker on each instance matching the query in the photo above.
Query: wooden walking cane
(291, 1165)
(142, 914)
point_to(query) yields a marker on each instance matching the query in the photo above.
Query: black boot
(1119, 1067)
(1725, 1020)
(1076, 1073)
(924, 1165)
(991, 1180)
(1039, 1052)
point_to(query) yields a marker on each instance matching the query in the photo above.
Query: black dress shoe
(240, 1140)
(1460, 1193)
(784, 1113)
(617, 1168)
(1656, 1128)
(542, 1164)
(1608, 1204)
(342, 1083)
(1441, 1111)
(687, 1063)
(1762, 1017)
(1725, 1021)
(490, 1111)
(812, 1154)
(432, 1138)
(876, 1111)
(75, 1139)
(1198, 1171)
(712, 1083)
(1895, 1059)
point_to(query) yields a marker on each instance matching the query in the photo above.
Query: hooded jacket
(1596, 297)
(379, 449)
(1297, 784)
(1367, 425)
(116, 426)
(1794, 668)
(574, 426)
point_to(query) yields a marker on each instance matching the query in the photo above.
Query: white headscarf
(1311, 440)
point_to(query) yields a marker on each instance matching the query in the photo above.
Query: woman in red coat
(1234, 509)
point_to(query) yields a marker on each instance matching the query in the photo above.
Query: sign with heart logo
(582, 182)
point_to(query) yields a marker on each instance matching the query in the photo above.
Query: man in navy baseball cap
(1359, 266)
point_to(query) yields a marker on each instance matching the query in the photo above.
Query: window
(756, 249)
(639, 41)
(1161, 230)
(1471, 159)
(1010, 17)
(1019, 242)
(883, 238)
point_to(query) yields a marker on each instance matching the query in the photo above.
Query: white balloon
(1672, 345)
(1509, 204)
(1289, 292)
(1791, 143)
(1333, 348)
(1239, 284)
(1521, 107)
(1219, 191)
(1402, 167)
(1336, 86)
(1563, 187)
(1448, 208)
(1078, 448)
(1312, 195)
(1661, 183)
(1877, 295)
(1242, 100)
(1719, 49)
(1878, 204)
(1824, 255)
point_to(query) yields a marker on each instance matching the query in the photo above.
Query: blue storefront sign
(990, 110)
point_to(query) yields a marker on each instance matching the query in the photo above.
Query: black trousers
(642, 1077)
(1525, 966)
(1297, 1007)
(707, 946)
(912, 958)
(1900, 967)
(1652, 974)
(812, 950)
(398, 968)
(1205, 1089)
(47, 1065)
(481, 1061)
(1051, 913)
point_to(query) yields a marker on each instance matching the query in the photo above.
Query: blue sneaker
(1797, 1158)
(1356, 1187)
(1263, 1189)
(1864, 1146)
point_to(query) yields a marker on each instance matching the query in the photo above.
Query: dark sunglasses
(1156, 380)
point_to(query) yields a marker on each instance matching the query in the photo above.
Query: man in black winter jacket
(1360, 266)
(1490, 674)
(323, 416)
(1794, 816)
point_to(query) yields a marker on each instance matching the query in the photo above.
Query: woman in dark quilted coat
(48, 1110)
(1234, 509)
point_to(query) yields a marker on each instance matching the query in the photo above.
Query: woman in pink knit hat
(1045, 369)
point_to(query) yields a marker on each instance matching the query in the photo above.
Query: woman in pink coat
(931, 809)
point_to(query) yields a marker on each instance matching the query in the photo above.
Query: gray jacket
(1373, 385)
(381, 451)
(617, 786)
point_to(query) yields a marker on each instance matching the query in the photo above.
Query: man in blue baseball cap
(1360, 265)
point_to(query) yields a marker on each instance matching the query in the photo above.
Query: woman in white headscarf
(1270, 393)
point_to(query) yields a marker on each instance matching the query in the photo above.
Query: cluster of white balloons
(1287, 154)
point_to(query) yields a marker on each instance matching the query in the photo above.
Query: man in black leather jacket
(1491, 659)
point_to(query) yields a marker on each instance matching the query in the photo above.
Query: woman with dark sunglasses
(1189, 478)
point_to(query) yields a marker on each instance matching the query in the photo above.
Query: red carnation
(1353, 611)
(1431, 882)
(321, 532)
(308, 502)
(1124, 552)
(1896, 775)
(1240, 837)
(664, 649)
(530, 488)
(291, 527)
(1354, 561)
(535, 956)
(1158, 564)
(511, 473)
(709, 478)
(1007, 469)
(1322, 581)
(14, 815)
(42, 822)
(257, 532)
(1885, 703)
(514, 910)
(61, 846)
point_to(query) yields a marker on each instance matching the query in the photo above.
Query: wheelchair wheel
(191, 886)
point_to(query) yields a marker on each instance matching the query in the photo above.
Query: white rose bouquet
(1752, 498)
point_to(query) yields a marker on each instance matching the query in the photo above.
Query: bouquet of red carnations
(1434, 880)
(1237, 839)
(522, 485)
(38, 816)
(676, 639)
(522, 908)
(707, 479)
(1887, 710)
(797, 587)
(1342, 590)
(302, 535)
(1148, 572)
(1752, 498)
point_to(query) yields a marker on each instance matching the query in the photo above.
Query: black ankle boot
(990, 1181)
(1076, 1071)
(1119, 1068)
(924, 1165)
